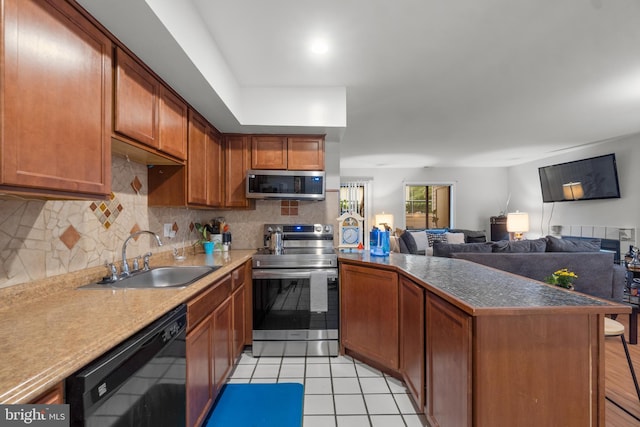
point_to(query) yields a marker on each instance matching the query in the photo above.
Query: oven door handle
(291, 273)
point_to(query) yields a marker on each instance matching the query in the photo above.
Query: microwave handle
(291, 273)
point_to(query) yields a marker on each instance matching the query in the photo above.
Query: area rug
(258, 405)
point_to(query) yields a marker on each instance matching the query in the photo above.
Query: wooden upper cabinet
(305, 153)
(268, 152)
(214, 175)
(237, 163)
(136, 102)
(197, 160)
(146, 111)
(172, 124)
(55, 89)
(278, 152)
(205, 167)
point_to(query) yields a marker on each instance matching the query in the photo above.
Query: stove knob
(327, 229)
(318, 228)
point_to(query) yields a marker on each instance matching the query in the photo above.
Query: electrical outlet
(168, 231)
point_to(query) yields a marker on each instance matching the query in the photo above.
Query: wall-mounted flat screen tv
(586, 179)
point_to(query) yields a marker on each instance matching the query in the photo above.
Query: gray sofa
(537, 259)
(597, 274)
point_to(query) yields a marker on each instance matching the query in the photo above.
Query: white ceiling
(428, 82)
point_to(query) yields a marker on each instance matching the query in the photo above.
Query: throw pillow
(446, 249)
(455, 237)
(432, 238)
(513, 246)
(569, 245)
(409, 242)
(471, 236)
(393, 244)
(420, 238)
(403, 246)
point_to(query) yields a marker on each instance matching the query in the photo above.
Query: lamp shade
(572, 191)
(384, 221)
(517, 222)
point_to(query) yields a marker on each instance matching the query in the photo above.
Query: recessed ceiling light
(319, 46)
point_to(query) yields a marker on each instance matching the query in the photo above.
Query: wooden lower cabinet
(448, 359)
(412, 348)
(53, 396)
(369, 313)
(199, 378)
(239, 316)
(221, 344)
(216, 335)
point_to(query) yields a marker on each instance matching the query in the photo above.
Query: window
(428, 206)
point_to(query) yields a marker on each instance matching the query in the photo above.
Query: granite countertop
(478, 289)
(50, 331)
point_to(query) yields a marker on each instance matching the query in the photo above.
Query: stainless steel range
(295, 292)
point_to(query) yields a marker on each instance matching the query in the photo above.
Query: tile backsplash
(40, 239)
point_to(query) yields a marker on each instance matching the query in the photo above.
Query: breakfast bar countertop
(477, 289)
(49, 330)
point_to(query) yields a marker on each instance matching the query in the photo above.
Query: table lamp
(517, 223)
(384, 221)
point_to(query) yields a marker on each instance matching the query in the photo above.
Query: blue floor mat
(258, 405)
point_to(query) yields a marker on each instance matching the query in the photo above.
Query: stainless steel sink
(159, 277)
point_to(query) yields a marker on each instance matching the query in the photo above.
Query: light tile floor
(338, 391)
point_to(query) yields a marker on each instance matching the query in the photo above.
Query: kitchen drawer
(202, 305)
(237, 277)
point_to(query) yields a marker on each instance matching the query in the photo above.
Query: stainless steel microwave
(280, 184)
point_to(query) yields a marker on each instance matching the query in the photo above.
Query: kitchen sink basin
(159, 277)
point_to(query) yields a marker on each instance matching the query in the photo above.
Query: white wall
(479, 193)
(524, 185)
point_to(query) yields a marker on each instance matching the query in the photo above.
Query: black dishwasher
(139, 383)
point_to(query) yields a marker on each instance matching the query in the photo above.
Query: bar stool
(613, 328)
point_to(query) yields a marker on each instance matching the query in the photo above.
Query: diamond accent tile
(136, 184)
(108, 211)
(70, 237)
(135, 229)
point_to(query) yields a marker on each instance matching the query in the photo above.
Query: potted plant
(563, 278)
(205, 230)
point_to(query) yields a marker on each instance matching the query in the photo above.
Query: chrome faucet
(125, 266)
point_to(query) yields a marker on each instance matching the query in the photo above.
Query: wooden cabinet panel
(53, 396)
(448, 364)
(172, 124)
(221, 342)
(197, 160)
(268, 152)
(305, 153)
(205, 169)
(237, 162)
(541, 360)
(55, 85)
(292, 152)
(199, 379)
(369, 313)
(214, 173)
(201, 305)
(412, 349)
(136, 102)
(239, 318)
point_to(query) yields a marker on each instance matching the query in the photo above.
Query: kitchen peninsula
(477, 346)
